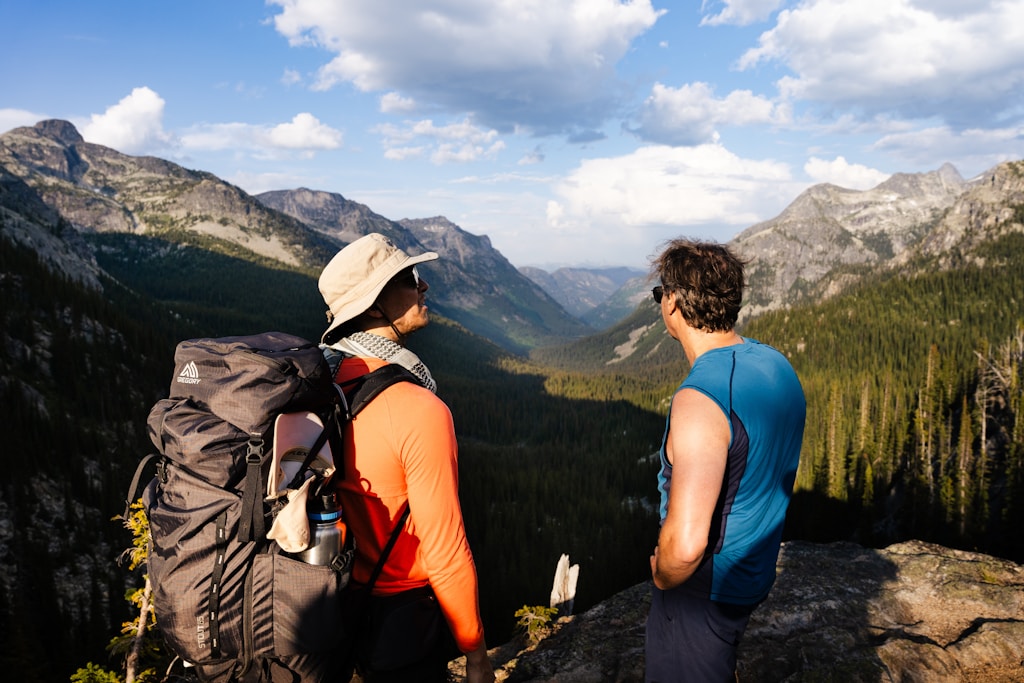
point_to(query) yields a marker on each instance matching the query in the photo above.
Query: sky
(569, 132)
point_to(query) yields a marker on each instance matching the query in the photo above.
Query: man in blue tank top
(728, 462)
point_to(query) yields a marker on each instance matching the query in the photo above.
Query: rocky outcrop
(27, 220)
(838, 612)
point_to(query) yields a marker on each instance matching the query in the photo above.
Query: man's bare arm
(698, 445)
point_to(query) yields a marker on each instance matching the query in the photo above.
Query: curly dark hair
(706, 279)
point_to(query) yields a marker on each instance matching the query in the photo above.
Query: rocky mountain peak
(942, 182)
(50, 148)
(434, 224)
(992, 204)
(441, 235)
(829, 229)
(61, 131)
(472, 283)
(948, 172)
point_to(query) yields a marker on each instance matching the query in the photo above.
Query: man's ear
(671, 302)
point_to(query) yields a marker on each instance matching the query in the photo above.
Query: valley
(905, 328)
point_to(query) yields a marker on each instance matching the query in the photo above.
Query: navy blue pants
(691, 639)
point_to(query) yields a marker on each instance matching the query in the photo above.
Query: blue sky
(570, 132)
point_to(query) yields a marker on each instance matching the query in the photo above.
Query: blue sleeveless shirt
(759, 393)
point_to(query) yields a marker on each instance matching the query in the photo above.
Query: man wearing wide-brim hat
(401, 449)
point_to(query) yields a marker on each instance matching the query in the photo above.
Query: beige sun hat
(354, 278)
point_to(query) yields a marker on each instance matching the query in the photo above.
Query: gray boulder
(838, 612)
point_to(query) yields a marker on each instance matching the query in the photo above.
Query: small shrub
(93, 673)
(534, 621)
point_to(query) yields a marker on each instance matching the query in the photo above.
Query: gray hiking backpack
(227, 600)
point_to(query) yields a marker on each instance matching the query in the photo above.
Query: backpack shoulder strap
(368, 386)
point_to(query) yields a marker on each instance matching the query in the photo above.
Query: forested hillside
(915, 387)
(541, 475)
(78, 372)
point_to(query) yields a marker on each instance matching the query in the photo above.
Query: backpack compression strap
(379, 567)
(251, 526)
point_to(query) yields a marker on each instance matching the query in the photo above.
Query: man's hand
(478, 666)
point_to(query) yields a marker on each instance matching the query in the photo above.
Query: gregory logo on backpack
(189, 374)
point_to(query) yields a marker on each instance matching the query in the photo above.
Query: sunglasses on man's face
(412, 278)
(658, 292)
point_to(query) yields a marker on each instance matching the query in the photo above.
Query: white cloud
(16, 118)
(132, 126)
(501, 178)
(690, 114)
(844, 174)
(213, 137)
(304, 132)
(448, 152)
(456, 142)
(671, 186)
(545, 64)
(974, 150)
(918, 58)
(620, 209)
(393, 102)
(403, 153)
(740, 12)
(291, 77)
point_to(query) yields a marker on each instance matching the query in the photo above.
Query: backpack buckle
(255, 452)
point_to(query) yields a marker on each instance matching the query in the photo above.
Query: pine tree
(137, 642)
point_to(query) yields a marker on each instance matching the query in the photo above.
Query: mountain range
(830, 239)
(815, 248)
(598, 296)
(98, 191)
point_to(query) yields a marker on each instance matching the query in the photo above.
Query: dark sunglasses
(658, 292)
(414, 280)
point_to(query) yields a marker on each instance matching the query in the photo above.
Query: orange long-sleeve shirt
(400, 447)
